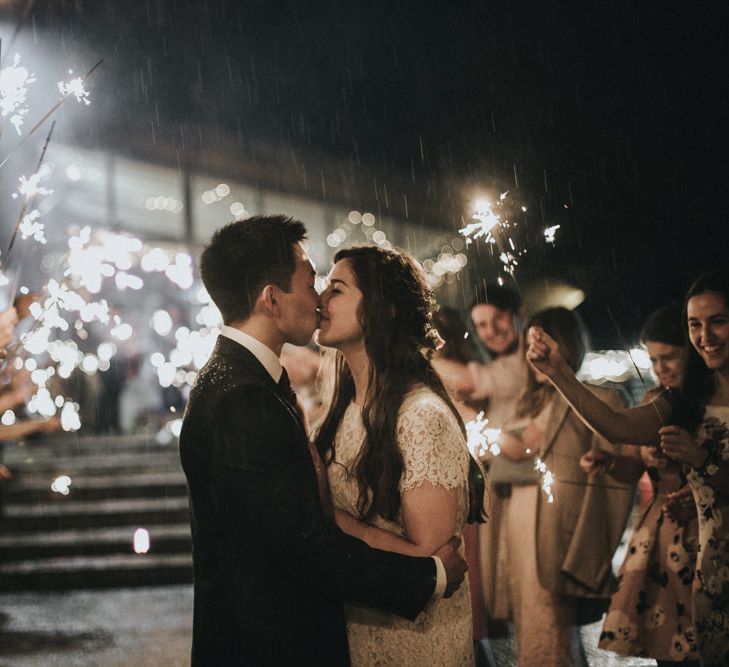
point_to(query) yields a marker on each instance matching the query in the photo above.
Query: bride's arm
(429, 519)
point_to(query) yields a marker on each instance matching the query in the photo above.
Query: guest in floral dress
(650, 613)
(691, 428)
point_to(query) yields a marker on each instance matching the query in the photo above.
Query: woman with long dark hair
(692, 428)
(394, 446)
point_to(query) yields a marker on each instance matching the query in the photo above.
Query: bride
(394, 447)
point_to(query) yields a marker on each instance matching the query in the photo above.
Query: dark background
(607, 118)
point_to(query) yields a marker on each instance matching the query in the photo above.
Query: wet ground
(142, 627)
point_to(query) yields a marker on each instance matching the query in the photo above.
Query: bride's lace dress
(434, 451)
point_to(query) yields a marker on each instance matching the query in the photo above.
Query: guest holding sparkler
(18, 390)
(560, 545)
(498, 316)
(650, 613)
(692, 428)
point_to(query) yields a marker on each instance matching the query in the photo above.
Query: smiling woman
(708, 323)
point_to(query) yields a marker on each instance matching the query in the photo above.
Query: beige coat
(579, 532)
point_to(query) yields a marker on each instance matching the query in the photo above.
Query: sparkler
(550, 232)
(623, 344)
(487, 219)
(73, 88)
(14, 81)
(547, 478)
(490, 226)
(57, 297)
(30, 188)
(481, 439)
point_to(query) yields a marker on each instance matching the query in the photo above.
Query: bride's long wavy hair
(395, 316)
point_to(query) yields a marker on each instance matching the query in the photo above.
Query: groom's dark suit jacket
(271, 570)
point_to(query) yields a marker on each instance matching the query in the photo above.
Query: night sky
(606, 118)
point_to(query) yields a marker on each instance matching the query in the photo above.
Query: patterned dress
(711, 586)
(650, 613)
(434, 451)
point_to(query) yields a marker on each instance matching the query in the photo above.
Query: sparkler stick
(637, 370)
(48, 114)
(29, 199)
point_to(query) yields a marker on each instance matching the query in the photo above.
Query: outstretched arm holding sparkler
(27, 426)
(639, 425)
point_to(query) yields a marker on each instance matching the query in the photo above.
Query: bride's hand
(348, 524)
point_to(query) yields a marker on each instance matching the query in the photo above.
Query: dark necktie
(284, 386)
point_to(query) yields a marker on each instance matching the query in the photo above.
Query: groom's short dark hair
(245, 256)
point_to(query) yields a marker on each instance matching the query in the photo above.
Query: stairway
(84, 538)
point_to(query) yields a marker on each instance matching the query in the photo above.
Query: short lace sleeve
(432, 445)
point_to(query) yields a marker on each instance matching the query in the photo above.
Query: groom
(271, 570)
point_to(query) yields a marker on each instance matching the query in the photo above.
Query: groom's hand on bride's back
(455, 566)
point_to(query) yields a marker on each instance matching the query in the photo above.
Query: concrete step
(84, 572)
(164, 539)
(84, 539)
(50, 445)
(36, 487)
(118, 463)
(65, 514)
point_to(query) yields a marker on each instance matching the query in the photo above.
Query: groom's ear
(269, 298)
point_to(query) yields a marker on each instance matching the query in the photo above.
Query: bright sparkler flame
(31, 186)
(547, 478)
(550, 232)
(14, 81)
(30, 227)
(70, 420)
(76, 88)
(482, 440)
(487, 220)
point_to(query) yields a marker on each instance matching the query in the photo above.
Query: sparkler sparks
(481, 439)
(547, 478)
(550, 232)
(31, 186)
(14, 81)
(76, 88)
(487, 219)
(491, 226)
(31, 228)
